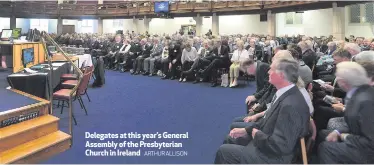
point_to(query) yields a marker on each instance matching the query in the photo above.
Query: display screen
(16, 33)
(162, 7)
(6, 33)
(27, 56)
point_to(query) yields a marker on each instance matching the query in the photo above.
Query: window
(35, 22)
(361, 13)
(86, 26)
(355, 14)
(87, 23)
(40, 24)
(294, 18)
(369, 12)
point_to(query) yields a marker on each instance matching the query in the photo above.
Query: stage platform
(14, 100)
(28, 133)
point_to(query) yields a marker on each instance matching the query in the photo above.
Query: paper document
(58, 64)
(28, 70)
(319, 81)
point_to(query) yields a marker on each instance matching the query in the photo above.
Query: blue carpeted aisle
(149, 105)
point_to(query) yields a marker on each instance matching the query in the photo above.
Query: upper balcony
(129, 9)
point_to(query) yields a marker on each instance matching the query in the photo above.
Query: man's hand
(333, 137)
(170, 65)
(250, 99)
(338, 107)
(174, 61)
(254, 131)
(252, 118)
(238, 132)
(328, 87)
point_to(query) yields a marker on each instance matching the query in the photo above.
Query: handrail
(45, 37)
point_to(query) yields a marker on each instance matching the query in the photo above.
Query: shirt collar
(351, 92)
(283, 90)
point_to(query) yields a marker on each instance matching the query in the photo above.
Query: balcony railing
(127, 8)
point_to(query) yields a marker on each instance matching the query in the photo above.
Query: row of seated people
(286, 97)
(173, 59)
(144, 48)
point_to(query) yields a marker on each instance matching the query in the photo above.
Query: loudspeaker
(119, 32)
(263, 17)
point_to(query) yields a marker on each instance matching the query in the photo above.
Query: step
(37, 150)
(17, 134)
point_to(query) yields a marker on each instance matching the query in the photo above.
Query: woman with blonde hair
(240, 55)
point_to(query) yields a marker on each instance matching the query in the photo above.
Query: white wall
(315, 23)
(160, 26)
(5, 23)
(319, 23)
(78, 26)
(127, 24)
(242, 24)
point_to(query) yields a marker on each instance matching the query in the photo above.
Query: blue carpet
(148, 105)
(10, 100)
(13, 100)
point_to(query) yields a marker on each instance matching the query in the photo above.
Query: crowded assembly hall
(134, 82)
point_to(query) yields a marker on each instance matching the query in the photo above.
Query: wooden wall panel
(39, 55)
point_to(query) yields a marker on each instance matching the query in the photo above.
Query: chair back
(306, 145)
(312, 136)
(84, 83)
(90, 70)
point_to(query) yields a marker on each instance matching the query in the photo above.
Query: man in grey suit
(272, 140)
(354, 145)
(149, 63)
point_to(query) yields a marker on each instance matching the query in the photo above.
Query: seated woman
(165, 58)
(240, 55)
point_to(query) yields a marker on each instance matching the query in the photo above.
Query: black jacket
(175, 52)
(310, 58)
(262, 79)
(147, 50)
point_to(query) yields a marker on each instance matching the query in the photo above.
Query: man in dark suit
(221, 60)
(139, 61)
(272, 140)
(355, 146)
(134, 52)
(175, 54)
(260, 71)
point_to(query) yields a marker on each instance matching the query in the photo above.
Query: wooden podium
(16, 53)
(39, 54)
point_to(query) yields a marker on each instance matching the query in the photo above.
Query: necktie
(273, 100)
(269, 105)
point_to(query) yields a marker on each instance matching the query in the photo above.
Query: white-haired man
(364, 56)
(357, 145)
(352, 48)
